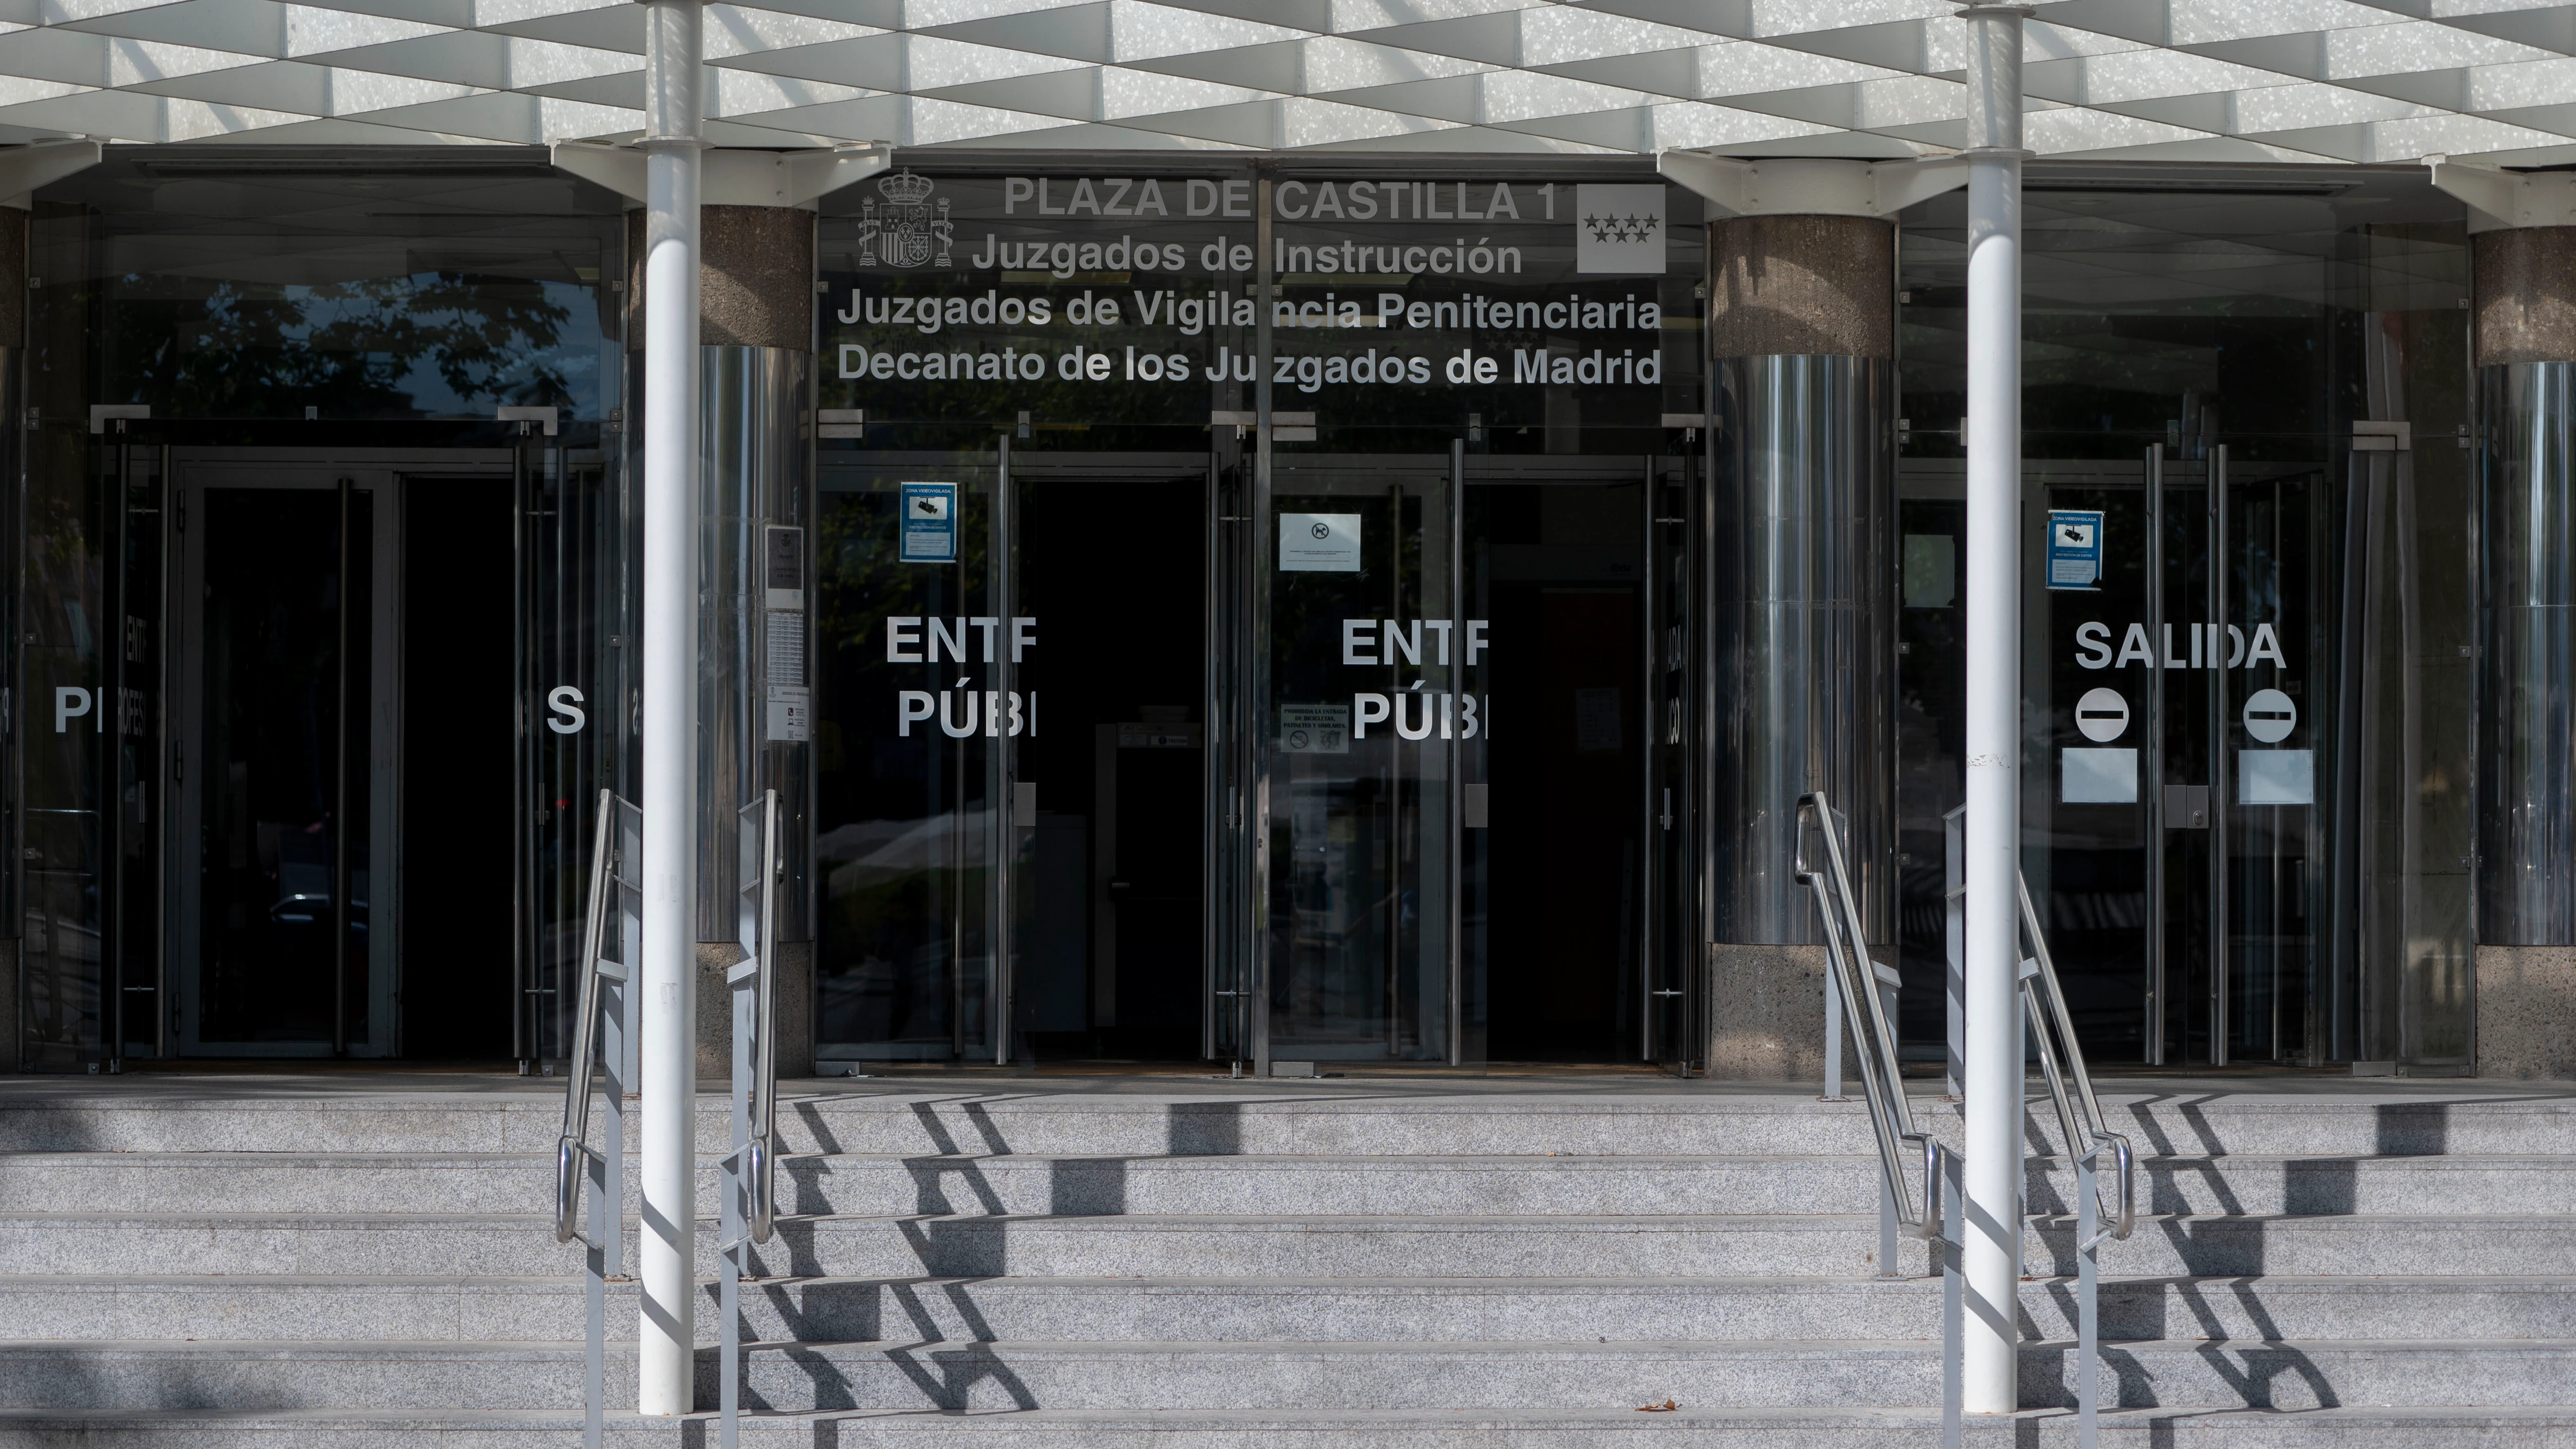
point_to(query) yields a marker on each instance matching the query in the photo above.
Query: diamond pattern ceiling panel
(2235, 80)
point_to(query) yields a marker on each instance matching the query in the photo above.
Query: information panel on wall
(1525, 310)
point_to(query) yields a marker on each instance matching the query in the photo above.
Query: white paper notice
(1315, 729)
(1319, 543)
(791, 714)
(785, 641)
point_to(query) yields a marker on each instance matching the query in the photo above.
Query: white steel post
(665, 1358)
(1994, 1032)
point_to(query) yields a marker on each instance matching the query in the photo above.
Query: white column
(666, 1371)
(1994, 1032)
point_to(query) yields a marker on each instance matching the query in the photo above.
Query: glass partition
(911, 838)
(1495, 368)
(1374, 670)
(334, 316)
(1005, 839)
(67, 517)
(2245, 778)
(1296, 633)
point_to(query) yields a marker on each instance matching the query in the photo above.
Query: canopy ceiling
(2188, 80)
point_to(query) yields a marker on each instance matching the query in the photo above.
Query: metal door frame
(120, 674)
(2216, 929)
(1671, 964)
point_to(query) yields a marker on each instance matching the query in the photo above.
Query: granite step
(2486, 1184)
(1745, 1309)
(324, 1374)
(302, 1373)
(2198, 1125)
(980, 1245)
(363, 1243)
(1061, 1186)
(353, 1309)
(2232, 1245)
(1323, 1246)
(2413, 1372)
(1603, 1374)
(2291, 1374)
(1291, 1122)
(1166, 1375)
(1382, 1119)
(213, 1308)
(1399, 1428)
(1255, 1245)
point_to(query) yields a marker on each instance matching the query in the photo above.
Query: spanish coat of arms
(915, 231)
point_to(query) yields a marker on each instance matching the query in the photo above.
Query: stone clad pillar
(756, 334)
(1796, 598)
(2525, 353)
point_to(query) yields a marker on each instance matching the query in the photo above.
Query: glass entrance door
(91, 727)
(573, 622)
(2181, 818)
(285, 683)
(1463, 857)
(1377, 718)
(1558, 874)
(909, 844)
(1008, 858)
(344, 722)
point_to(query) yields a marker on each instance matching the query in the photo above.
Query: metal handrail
(748, 1208)
(2061, 1059)
(1882, 1084)
(2089, 1237)
(2080, 1125)
(1941, 1222)
(614, 851)
(761, 1165)
(574, 1145)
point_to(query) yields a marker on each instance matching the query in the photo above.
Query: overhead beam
(2501, 199)
(1811, 186)
(731, 176)
(24, 168)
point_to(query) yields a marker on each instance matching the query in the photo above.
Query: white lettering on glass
(563, 710)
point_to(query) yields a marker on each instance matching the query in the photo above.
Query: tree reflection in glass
(424, 345)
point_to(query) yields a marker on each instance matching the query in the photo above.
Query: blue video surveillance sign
(930, 523)
(2074, 549)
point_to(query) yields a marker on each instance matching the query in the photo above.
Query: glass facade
(317, 673)
(2246, 766)
(1258, 609)
(1242, 794)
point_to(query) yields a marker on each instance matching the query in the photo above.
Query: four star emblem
(1621, 228)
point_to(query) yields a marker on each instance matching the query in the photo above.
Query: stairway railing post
(733, 1187)
(2088, 1304)
(1951, 1245)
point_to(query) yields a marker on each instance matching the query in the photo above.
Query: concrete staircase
(1398, 1265)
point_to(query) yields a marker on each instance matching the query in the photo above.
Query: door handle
(2186, 807)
